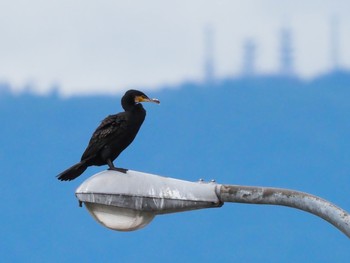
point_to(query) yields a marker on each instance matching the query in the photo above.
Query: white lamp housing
(130, 201)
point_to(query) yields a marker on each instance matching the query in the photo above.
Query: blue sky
(106, 46)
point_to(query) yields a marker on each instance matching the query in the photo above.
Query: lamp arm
(286, 197)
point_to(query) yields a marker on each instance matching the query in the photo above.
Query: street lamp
(129, 201)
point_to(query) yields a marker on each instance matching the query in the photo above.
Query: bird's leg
(110, 164)
(113, 168)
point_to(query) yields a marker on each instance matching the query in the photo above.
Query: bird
(112, 136)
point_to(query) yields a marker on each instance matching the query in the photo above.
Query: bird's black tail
(72, 172)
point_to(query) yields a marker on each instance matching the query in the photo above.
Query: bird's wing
(111, 125)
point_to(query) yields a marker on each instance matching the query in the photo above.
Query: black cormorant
(114, 134)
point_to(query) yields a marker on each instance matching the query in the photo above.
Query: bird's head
(142, 97)
(132, 97)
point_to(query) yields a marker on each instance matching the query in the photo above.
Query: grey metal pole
(285, 197)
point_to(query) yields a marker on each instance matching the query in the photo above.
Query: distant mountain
(268, 131)
(266, 126)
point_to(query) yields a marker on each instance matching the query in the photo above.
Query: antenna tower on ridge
(209, 55)
(286, 53)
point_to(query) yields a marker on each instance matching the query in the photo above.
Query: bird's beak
(146, 99)
(154, 100)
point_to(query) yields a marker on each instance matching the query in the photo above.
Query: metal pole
(285, 197)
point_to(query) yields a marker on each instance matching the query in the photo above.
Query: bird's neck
(135, 108)
(137, 114)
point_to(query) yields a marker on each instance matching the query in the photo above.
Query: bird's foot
(121, 170)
